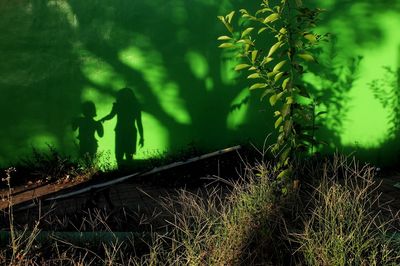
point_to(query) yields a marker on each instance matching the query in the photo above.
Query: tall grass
(334, 221)
(344, 224)
(220, 227)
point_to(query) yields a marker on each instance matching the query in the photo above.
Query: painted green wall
(57, 54)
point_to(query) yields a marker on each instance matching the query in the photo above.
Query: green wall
(358, 78)
(57, 54)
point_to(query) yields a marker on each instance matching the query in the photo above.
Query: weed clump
(344, 224)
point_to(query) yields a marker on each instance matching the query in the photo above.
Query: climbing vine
(277, 68)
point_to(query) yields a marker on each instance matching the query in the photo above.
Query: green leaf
(285, 82)
(321, 113)
(278, 66)
(303, 100)
(224, 38)
(271, 18)
(258, 86)
(241, 66)
(274, 48)
(230, 16)
(254, 56)
(278, 122)
(289, 100)
(246, 32)
(254, 76)
(226, 45)
(278, 76)
(307, 57)
(252, 68)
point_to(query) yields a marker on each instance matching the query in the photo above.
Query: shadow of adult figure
(128, 112)
(87, 127)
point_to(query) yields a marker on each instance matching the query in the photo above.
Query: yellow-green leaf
(310, 37)
(274, 48)
(253, 68)
(285, 154)
(221, 18)
(276, 113)
(278, 122)
(283, 30)
(224, 38)
(258, 86)
(241, 66)
(230, 16)
(307, 57)
(271, 74)
(274, 98)
(264, 10)
(226, 45)
(271, 18)
(266, 60)
(246, 32)
(287, 127)
(285, 82)
(278, 76)
(261, 30)
(285, 109)
(284, 174)
(254, 76)
(254, 55)
(227, 24)
(279, 66)
(266, 92)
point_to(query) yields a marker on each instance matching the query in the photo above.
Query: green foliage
(277, 68)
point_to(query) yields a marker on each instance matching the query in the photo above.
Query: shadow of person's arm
(99, 129)
(140, 128)
(75, 124)
(110, 115)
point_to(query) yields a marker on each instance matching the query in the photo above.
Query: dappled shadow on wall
(330, 82)
(387, 91)
(81, 52)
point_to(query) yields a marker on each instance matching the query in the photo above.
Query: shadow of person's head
(126, 96)
(88, 109)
